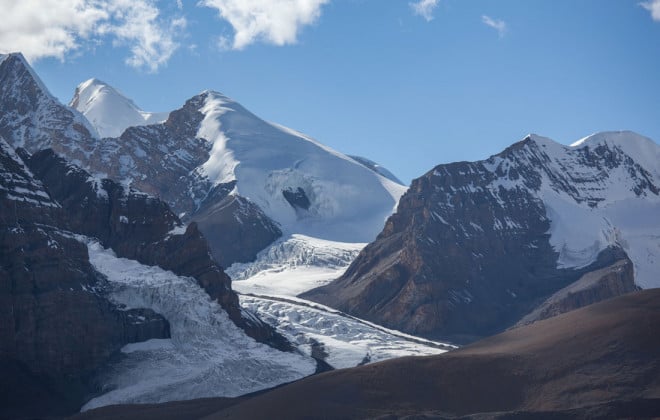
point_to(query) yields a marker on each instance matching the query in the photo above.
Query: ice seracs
(299, 263)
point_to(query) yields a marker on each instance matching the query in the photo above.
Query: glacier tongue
(299, 263)
(342, 341)
(207, 355)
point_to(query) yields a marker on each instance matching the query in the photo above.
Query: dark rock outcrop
(142, 324)
(235, 228)
(297, 198)
(606, 283)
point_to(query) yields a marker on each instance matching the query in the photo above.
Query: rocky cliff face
(33, 119)
(235, 227)
(473, 247)
(56, 326)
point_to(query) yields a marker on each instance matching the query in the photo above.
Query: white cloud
(54, 28)
(652, 6)
(498, 25)
(273, 21)
(424, 8)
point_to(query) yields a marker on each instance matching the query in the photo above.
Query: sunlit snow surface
(299, 263)
(207, 355)
(347, 201)
(109, 111)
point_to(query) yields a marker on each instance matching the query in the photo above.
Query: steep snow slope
(108, 110)
(213, 142)
(207, 354)
(305, 186)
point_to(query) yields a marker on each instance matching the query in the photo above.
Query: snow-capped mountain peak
(108, 110)
(307, 187)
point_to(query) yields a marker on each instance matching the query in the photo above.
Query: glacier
(269, 287)
(207, 356)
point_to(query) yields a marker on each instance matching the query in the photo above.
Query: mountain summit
(108, 110)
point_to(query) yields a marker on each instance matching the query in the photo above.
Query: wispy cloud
(424, 8)
(652, 6)
(275, 22)
(497, 24)
(55, 28)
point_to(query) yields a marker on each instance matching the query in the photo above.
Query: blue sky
(409, 84)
